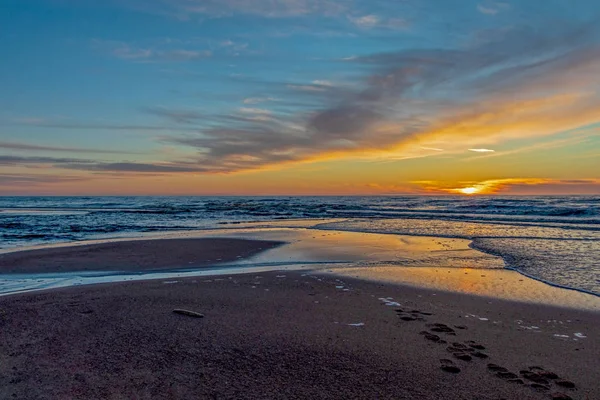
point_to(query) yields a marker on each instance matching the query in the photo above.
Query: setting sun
(469, 190)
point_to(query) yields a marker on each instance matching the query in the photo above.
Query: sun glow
(469, 190)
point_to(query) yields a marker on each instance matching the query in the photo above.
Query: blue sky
(242, 96)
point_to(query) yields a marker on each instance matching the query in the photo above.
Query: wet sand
(498, 283)
(134, 255)
(291, 335)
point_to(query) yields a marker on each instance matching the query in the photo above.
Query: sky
(299, 97)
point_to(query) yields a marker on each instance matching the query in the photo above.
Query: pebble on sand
(188, 313)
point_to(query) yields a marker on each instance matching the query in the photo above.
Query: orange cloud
(514, 186)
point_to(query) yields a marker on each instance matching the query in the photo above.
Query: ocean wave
(518, 228)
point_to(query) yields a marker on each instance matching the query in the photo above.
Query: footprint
(534, 377)
(453, 349)
(560, 396)
(479, 354)
(475, 345)
(542, 378)
(496, 368)
(408, 317)
(462, 356)
(507, 375)
(420, 312)
(536, 368)
(448, 366)
(539, 386)
(548, 374)
(566, 384)
(433, 338)
(443, 328)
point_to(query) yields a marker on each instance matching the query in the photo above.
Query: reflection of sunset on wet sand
(488, 283)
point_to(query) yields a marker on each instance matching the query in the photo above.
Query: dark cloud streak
(33, 147)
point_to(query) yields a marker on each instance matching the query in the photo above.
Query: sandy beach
(133, 255)
(286, 335)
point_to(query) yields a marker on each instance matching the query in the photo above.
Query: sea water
(555, 239)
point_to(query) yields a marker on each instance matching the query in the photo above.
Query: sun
(469, 190)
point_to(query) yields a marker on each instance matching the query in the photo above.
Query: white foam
(169, 282)
(388, 301)
(357, 324)
(579, 335)
(560, 336)
(476, 316)
(531, 328)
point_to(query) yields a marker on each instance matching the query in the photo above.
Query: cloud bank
(519, 83)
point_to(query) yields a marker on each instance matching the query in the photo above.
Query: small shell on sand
(188, 313)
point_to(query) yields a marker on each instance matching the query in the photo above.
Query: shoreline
(257, 226)
(323, 334)
(238, 251)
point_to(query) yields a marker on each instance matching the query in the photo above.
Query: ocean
(555, 239)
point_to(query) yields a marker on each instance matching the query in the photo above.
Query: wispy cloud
(502, 89)
(492, 7)
(129, 52)
(257, 100)
(308, 88)
(135, 167)
(10, 160)
(177, 116)
(546, 145)
(61, 149)
(372, 21)
(8, 180)
(482, 150)
(102, 166)
(93, 125)
(187, 9)
(251, 110)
